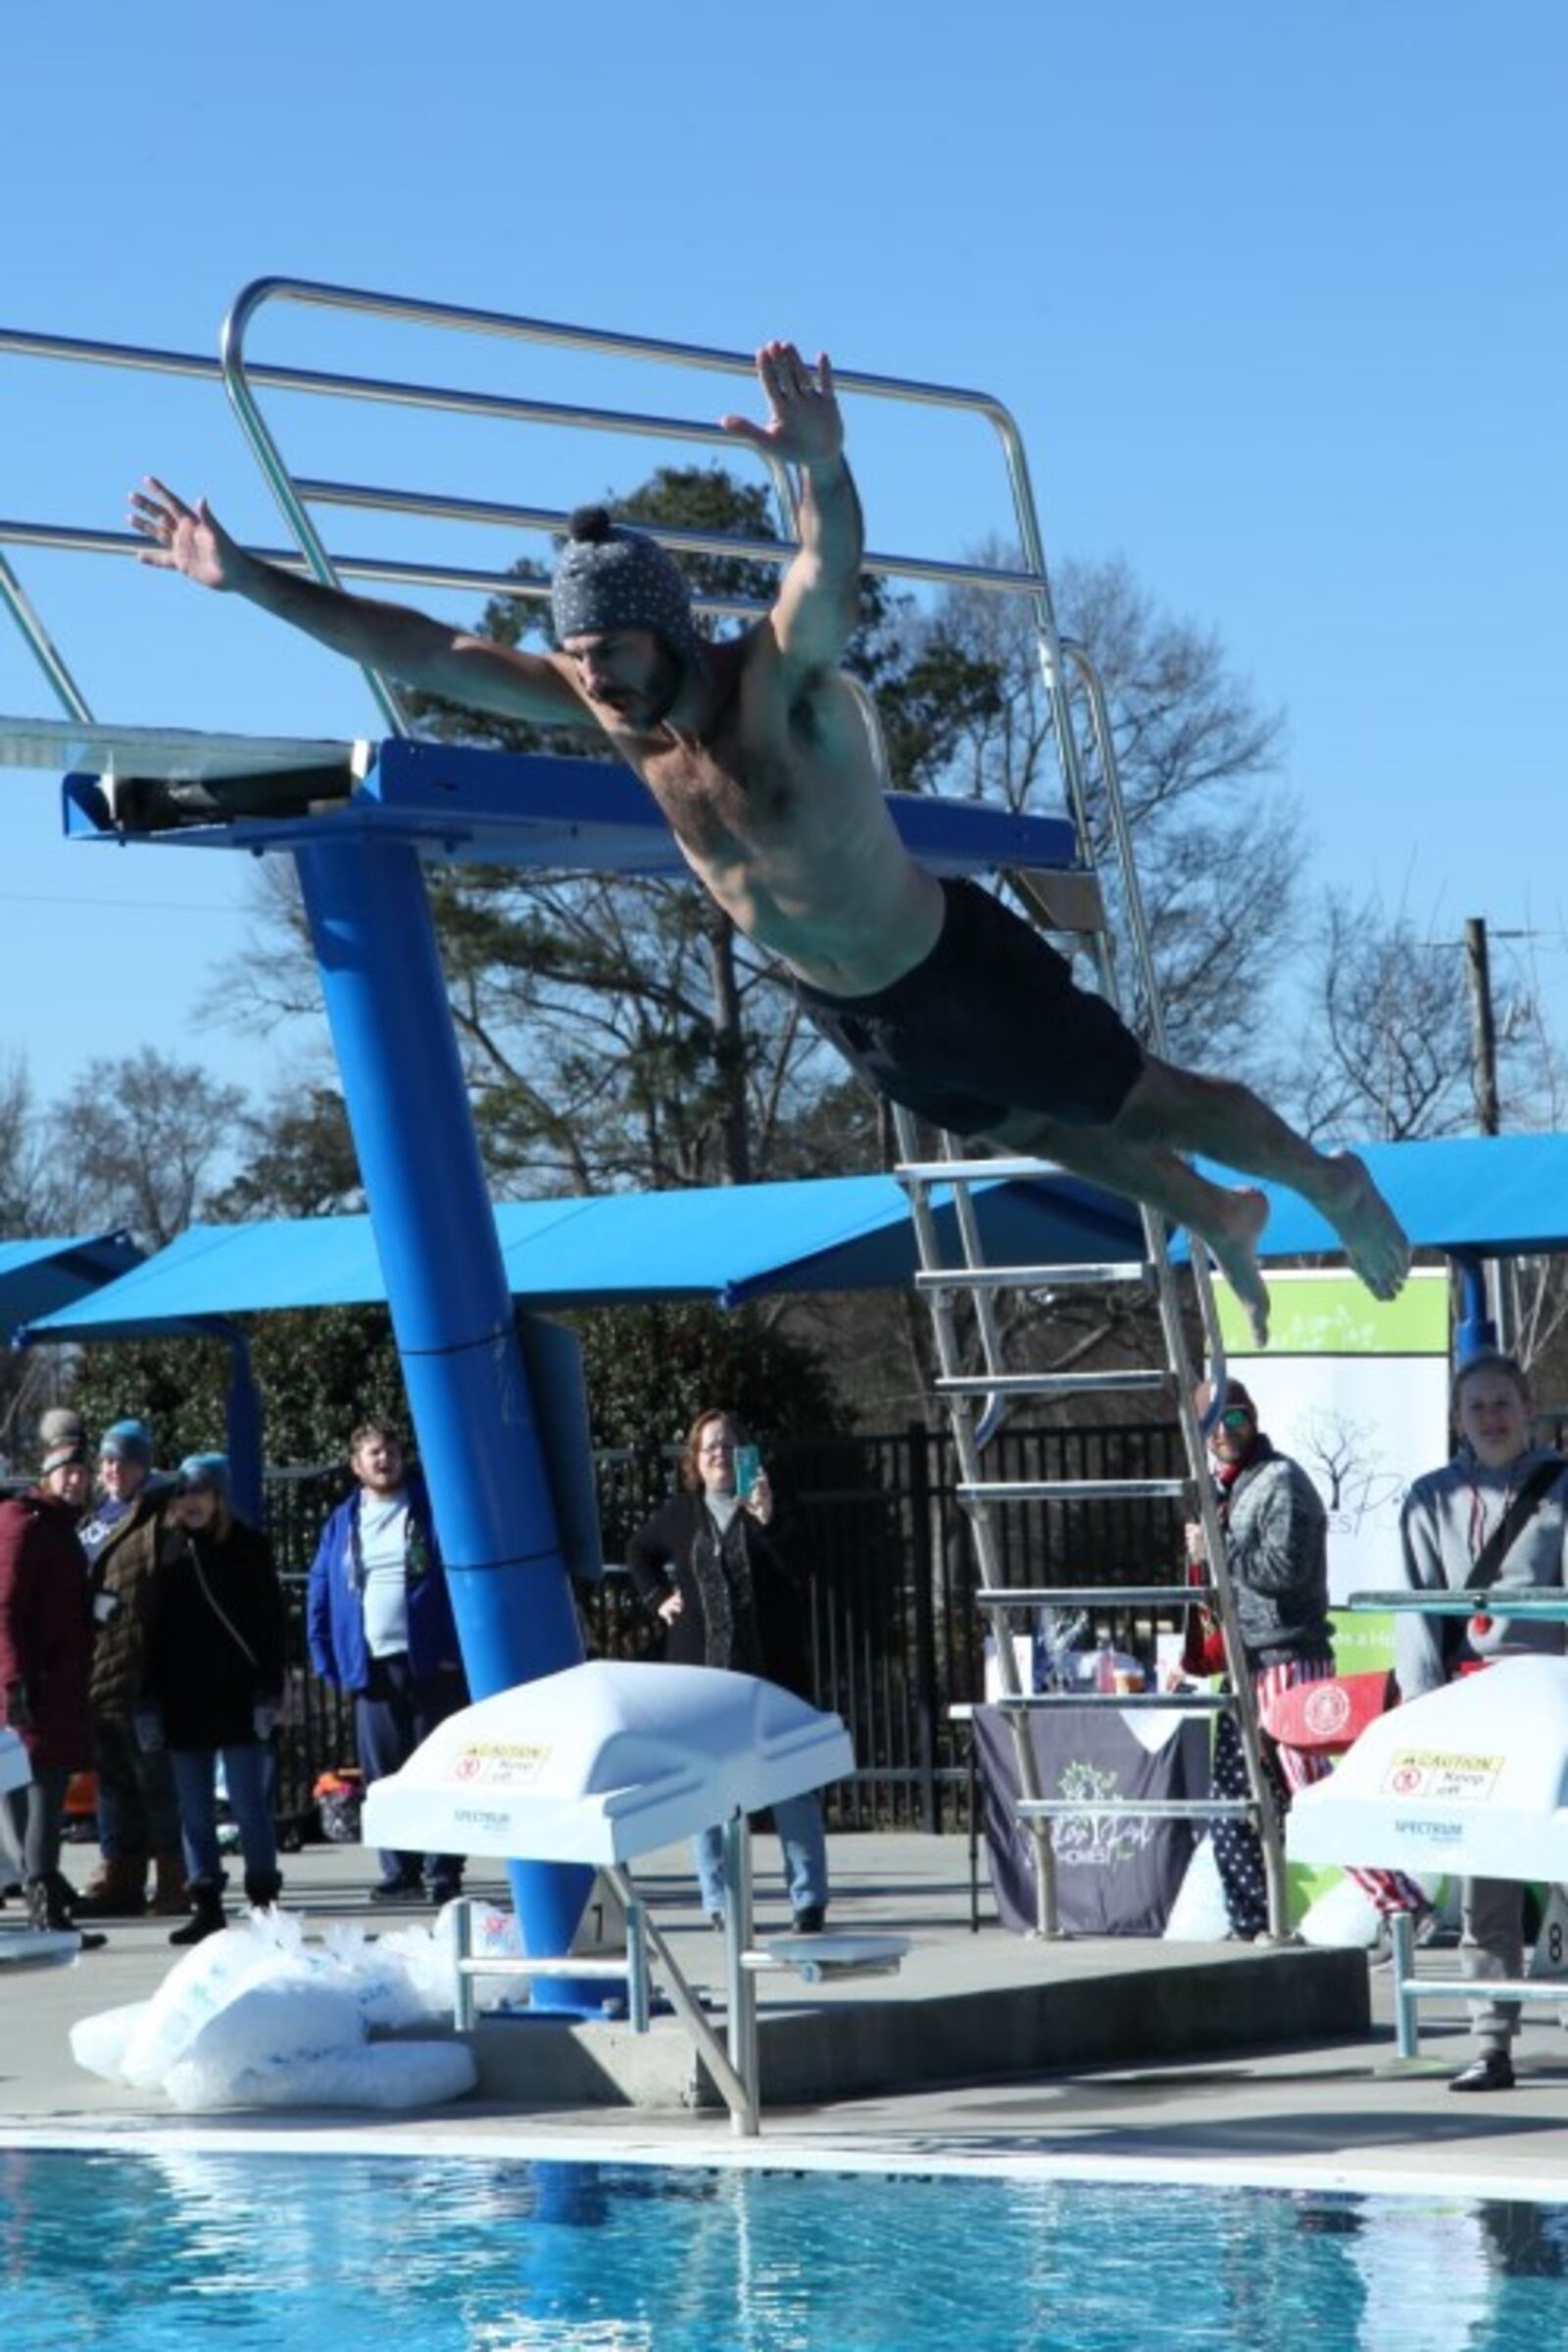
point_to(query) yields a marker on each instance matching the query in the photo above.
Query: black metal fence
(895, 1638)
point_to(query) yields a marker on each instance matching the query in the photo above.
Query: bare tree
(33, 1198)
(137, 1141)
(1218, 846)
(1391, 1034)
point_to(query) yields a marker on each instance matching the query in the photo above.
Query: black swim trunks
(990, 1024)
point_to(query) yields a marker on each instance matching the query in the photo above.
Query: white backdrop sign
(1358, 1392)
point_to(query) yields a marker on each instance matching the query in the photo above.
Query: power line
(42, 897)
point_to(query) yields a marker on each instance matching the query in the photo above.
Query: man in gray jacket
(1450, 1517)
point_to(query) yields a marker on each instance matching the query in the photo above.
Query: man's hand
(670, 1607)
(759, 1501)
(804, 424)
(185, 539)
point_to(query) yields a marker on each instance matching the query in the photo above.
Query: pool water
(343, 2254)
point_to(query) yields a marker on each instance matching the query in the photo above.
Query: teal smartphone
(748, 1467)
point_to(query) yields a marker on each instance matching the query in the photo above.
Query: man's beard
(664, 689)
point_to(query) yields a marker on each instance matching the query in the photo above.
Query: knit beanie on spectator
(127, 1441)
(64, 1448)
(209, 1470)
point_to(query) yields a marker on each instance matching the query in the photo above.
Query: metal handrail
(66, 691)
(681, 540)
(411, 309)
(269, 376)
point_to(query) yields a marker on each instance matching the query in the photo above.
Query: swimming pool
(191, 2248)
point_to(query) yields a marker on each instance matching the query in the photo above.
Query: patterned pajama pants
(1238, 1852)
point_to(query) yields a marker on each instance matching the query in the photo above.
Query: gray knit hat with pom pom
(608, 577)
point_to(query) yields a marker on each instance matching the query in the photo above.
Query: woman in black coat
(708, 1565)
(214, 1681)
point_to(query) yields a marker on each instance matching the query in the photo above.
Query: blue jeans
(137, 1812)
(799, 1822)
(393, 1715)
(246, 1775)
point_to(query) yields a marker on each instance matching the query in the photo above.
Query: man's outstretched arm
(817, 605)
(407, 645)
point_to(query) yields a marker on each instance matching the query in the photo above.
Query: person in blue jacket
(379, 1622)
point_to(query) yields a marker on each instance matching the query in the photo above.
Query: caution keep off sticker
(1446, 1779)
(501, 1764)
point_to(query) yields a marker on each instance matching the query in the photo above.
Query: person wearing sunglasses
(1275, 1529)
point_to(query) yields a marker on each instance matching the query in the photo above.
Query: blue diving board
(454, 801)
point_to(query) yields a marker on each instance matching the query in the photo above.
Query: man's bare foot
(1373, 1237)
(1232, 1232)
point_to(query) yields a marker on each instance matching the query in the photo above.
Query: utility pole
(1483, 1026)
(1484, 1080)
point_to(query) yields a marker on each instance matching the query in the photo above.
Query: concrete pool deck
(1204, 2061)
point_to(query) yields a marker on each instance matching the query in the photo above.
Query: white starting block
(38, 1947)
(1471, 1780)
(608, 1761)
(829, 1959)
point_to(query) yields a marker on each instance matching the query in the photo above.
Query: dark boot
(50, 1914)
(206, 1906)
(262, 1888)
(117, 1889)
(171, 1900)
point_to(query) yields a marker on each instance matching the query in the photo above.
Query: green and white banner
(1356, 1391)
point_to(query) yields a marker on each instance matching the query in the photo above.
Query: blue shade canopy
(39, 1277)
(1499, 1196)
(725, 1244)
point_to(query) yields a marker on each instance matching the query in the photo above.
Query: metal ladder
(978, 1397)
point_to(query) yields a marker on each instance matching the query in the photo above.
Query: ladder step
(973, 1171)
(1149, 1808)
(1196, 1703)
(1029, 1278)
(1087, 1597)
(1049, 1384)
(1075, 1490)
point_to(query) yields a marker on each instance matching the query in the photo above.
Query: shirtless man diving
(758, 755)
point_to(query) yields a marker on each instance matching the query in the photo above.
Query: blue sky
(1276, 294)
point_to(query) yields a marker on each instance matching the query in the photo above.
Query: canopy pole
(447, 1290)
(243, 1414)
(1477, 1334)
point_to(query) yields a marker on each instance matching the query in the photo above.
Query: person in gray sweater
(1276, 1552)
(1449, 1516)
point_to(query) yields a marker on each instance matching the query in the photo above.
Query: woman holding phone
(708, 1565)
